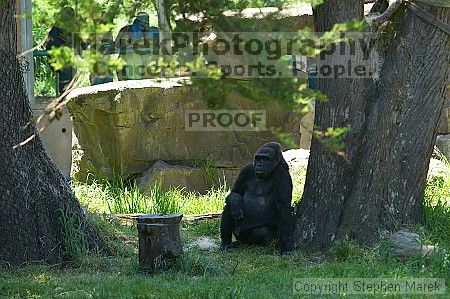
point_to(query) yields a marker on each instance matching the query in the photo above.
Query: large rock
(190, 179)
(296, 158)
(406, 244)
(126, 126)
(443, 144)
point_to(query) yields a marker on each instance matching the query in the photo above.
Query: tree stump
(159, 239)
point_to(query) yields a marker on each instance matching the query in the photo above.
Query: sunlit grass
(436, 209)
(122, 196)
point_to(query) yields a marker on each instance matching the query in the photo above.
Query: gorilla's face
(264, 162)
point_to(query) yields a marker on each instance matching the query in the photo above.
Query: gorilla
(258, 209)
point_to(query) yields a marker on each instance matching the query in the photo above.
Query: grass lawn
(248, 272)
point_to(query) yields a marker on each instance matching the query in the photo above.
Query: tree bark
(393, 122)
(33, 194)
(164, 25)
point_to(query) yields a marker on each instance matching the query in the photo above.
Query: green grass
(247, 272)
(436, 212)
(122, 196)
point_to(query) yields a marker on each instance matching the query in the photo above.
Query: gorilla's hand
(236, 205)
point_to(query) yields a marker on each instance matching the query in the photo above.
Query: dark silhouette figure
(64, 33)
(136, 44)
(258, 209)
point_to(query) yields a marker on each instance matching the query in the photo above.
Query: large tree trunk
(393, 124)
(33, 194)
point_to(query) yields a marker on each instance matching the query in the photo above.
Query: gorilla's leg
(261, 235)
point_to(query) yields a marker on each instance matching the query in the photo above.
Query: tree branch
(376, 21)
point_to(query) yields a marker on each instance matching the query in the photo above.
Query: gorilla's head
(267, 157)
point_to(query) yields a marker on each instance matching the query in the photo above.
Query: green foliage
(61, 57)
(113, 235)
(210, 172)
(212, 202)
(123, 196)
(76, 246)
(44, 13)
(344, 251)
(332, 139)
(45, 79)
(436, 210)
(203, 228)
(194, 264)
(251, 272)
(298, 181)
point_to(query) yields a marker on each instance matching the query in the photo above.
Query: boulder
(443, 144)
(125, 127)
(191, 179)
(438, 168)
(406, 244)
(296, 158)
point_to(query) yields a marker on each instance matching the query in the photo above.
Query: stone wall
(125, 127)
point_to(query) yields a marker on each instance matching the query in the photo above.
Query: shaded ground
(250, 272)
(247, 272)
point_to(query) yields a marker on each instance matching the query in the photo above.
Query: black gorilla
(258, 209)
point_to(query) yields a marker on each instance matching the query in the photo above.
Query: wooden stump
(159, 239)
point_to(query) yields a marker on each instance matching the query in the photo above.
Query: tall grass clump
(75, 244)
(436, 208)
(212, 202)
(165, 202)
(92, 196)
(124, 196)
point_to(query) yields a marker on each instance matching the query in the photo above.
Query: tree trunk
(159, 239)
(164, 25)
(33, 194)
(393, 122)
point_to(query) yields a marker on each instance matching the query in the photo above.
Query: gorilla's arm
(232, 216)
(236, 204)
(284, 218)
(241, 182)
(234, 207)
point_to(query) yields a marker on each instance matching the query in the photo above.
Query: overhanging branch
(378, 20)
